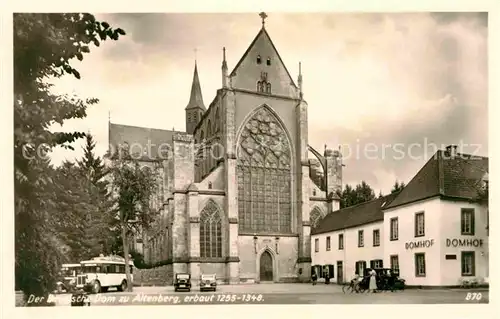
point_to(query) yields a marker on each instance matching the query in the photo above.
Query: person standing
(373, 281)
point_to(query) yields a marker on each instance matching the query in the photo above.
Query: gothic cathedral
(238, 192)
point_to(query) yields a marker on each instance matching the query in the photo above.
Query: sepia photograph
(263, 158)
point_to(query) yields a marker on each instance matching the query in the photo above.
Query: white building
(350, 240)
(434, 231)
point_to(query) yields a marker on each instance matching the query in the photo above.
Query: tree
(44, 46)
(352, 196)
(397, 187)
(133, 187)
(100, 217)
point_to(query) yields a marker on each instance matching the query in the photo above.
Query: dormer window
(268, 61)
(259, 59)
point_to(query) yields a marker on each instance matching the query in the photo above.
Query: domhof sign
(454, 242)
(419, 244)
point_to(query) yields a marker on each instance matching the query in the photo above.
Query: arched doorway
(266, 267)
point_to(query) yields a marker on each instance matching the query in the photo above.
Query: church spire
(196, 98)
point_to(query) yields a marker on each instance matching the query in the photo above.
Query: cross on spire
(263, 16)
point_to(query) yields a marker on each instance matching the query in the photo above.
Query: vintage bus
(104, 272)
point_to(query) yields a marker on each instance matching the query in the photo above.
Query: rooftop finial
(224, 53)
(263, 16)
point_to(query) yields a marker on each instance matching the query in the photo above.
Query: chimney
(451, 150)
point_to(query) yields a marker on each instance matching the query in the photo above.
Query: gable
(248, 71)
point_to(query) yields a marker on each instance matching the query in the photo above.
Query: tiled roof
(357, 215)
(456, 176)
(140, 139)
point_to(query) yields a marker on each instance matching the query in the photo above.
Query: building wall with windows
(412, 246)
(345, 247)
(452, 246)
(464, 242)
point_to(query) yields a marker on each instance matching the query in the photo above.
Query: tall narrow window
(268, 87)
(341, 241)
(376, 237)
(361, 239)
(420, 265)
(394, 231)
(328, 243)
(467, 221)
(394, 262)
(419, 224)
(264, 175)
(268, 61)
(259, 59)
(210, 231)
(316, 245)
(260, 86)
(468, 263)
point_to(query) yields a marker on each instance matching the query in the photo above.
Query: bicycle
(350, 287)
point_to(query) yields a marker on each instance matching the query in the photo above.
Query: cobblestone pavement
(281, 294)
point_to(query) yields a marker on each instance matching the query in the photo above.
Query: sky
(397, 84)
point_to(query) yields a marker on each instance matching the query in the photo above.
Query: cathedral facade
(238, 192)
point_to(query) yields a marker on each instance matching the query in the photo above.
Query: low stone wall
(158, 276)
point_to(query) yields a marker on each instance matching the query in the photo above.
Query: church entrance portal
(266, 266)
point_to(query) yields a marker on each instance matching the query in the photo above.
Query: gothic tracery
(264, 175)
(210, 231)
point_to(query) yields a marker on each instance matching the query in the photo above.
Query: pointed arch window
(268, 87)
(259, 59)
(268, 61)
(260, 86)
(210, 231)
(264, 175)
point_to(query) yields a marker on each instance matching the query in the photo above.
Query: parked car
(182, 281)
(67, 277)
(208, 282)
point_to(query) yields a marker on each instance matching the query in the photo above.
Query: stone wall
(158, 276)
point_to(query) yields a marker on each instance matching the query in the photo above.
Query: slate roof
(357, 215)
(454, 177)
(142, 136)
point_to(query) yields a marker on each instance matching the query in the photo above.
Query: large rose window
(264, 194)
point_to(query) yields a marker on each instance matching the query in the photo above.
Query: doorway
(266, 266)
(340, 273)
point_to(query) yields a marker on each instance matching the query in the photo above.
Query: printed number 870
(473, 296)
